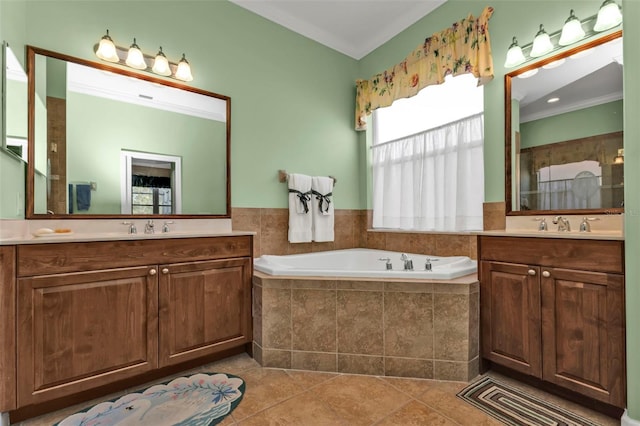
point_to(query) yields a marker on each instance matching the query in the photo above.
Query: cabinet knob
(546, 274)
(165, 271)
(152, 272)
(531, 272)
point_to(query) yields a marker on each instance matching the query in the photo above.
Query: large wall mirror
(106, 142)
(564, 132)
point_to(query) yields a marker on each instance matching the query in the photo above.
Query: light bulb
(515, 56)
(161, 64)
(571, 31)
(184, 70)
(541, 44)
(609, 16)
(107, 50)
(135, 58)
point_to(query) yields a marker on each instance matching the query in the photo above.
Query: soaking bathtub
(364, 263)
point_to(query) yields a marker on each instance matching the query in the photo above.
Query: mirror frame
(508, 191)
(30, 181)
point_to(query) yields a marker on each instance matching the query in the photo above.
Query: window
(150, 183)
(428, 166)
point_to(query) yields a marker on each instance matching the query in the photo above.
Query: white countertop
(13, 232)
(594, 235)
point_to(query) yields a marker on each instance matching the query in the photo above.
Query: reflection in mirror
(16, 106)
(564, 132)
(109, 142)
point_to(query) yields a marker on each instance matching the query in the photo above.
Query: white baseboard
(628, 421)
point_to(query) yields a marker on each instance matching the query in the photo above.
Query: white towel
(300, 221)
(322, 208)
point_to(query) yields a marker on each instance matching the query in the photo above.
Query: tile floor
(301, 398)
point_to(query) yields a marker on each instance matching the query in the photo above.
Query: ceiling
(352, 27)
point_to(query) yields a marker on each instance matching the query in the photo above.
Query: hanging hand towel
(300, 219)
(83, 196)
(322, 208)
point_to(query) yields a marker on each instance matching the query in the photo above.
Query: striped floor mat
(514, 407)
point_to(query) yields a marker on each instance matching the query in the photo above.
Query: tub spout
(408, 263)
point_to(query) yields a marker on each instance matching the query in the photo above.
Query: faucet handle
(165, 226)
(542, 226)
(585, 226)
(132, 227)
(427, 264)
(388, 265)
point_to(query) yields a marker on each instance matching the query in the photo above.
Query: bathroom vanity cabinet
(91, 314)
(553, 309)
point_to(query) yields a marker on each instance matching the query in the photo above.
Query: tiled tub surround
(420, 328)
(352, 230)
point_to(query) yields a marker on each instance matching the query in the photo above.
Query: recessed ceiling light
(552, 100)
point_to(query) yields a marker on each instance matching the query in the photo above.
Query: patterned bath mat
(198, 400)
(516, 408)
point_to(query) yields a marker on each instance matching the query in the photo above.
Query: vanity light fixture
(107, 50)
(133, 57)
(571, 31)
(609, 16)
(541, 43)
(515, 56)
(184, 70)
(161, 64)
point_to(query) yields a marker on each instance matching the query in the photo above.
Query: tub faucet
(408, 263)
(149, 227)
(563, 224)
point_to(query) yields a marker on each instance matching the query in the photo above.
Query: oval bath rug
(198, 400)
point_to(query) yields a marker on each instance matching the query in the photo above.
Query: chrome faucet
(165, 227)
(427, 264)
(563, 224)
(149, 227)
(132, 227)
(408, 263)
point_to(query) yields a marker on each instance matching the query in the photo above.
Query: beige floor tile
(308, 379)
(360, 400)
(415, 414)
(264, 388)
(304, 409)
(443, 399)
(416, 387)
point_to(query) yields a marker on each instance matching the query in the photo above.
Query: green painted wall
(95, 156)
(16, 113)
(631, 10)
(597, 120)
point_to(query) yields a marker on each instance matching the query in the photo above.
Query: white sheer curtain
(433, 180)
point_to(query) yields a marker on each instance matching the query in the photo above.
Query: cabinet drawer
(590, 255)
(41, 259)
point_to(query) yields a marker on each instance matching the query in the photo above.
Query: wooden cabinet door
(79, 331)
(205, 307)
(510, 315)
(583, 332)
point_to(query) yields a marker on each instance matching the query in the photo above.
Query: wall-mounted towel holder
(283, 177)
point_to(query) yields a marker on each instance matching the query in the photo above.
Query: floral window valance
(464, 47)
